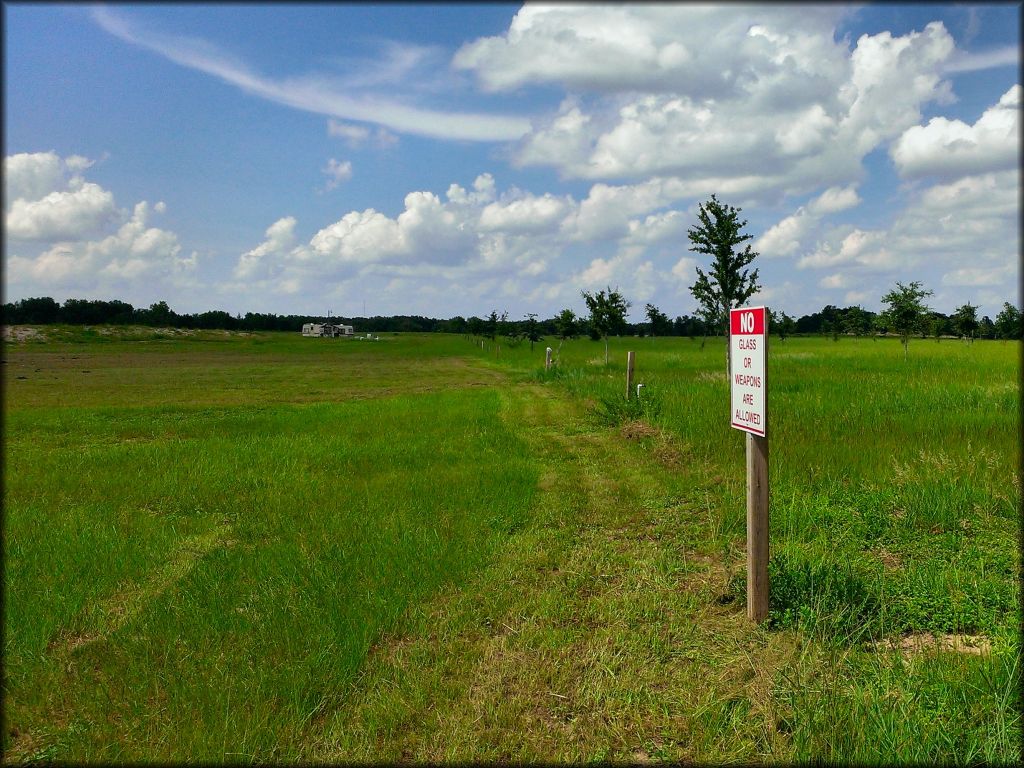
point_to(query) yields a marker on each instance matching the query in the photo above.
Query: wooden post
(547, 359)
(757, 527)
(630, 360)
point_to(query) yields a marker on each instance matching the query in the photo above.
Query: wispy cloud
(316, 93)
(962, 61)
(336, 173)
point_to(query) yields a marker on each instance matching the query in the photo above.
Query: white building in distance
(327, 329)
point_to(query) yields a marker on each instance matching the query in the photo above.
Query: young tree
(659, 322)
(607, 314)
(491, 325)
(906, 310)
(709, 324)
(566, 327)
(727, 284)
(1008, 322)
(965, 320)
(508, 329)
(530, 330)
(784, 325)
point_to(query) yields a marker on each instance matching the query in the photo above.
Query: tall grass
(330, 522)
(895, 498)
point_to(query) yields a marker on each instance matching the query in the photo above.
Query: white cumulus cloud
(787, 236)
(68, 215)
(47, 198)
(749, 101)
(136, 251)
(952, 148)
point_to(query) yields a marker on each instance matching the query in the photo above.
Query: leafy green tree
(783, 324)
(986, 328)
(906, 310)
(880, 325)
(965, 320)
(607, 314)
(727, 284)
(566, 325)
(685, 325)
(491, 325)
(530, 329)
(475, 326)
(857, 321)
(658, 321)
(509, 329)
(456, 325)
(1008, 322)
(38, 311)
(158, 314)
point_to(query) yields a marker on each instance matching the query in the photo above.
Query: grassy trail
(597, 633)
(264, 549)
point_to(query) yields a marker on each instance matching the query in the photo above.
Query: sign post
(748, 382)
(630, 362)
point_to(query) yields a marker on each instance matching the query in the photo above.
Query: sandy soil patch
(18, 333)
(920, 642)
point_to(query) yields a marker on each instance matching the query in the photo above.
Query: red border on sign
(759, 329)
(751, 430)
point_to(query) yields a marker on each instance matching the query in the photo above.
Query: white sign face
(747, 379)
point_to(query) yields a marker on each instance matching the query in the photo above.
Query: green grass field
(261, 547)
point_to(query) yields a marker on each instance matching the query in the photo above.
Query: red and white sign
(747, 379)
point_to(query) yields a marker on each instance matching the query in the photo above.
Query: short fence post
(630, 360)
(547, 359)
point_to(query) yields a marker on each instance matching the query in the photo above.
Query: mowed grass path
(275, 548)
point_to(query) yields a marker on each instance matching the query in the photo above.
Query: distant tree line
(609, 319)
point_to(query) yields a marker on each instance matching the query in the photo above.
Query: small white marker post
(748, 383)
(547, 359)
(630, 361)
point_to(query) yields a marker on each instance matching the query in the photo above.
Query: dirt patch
(637, 430)
(71, 641)
(920, 642)
(663, 446)
(18, 333)
(889, 559)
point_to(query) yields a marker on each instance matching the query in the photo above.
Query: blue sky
(454, 159)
